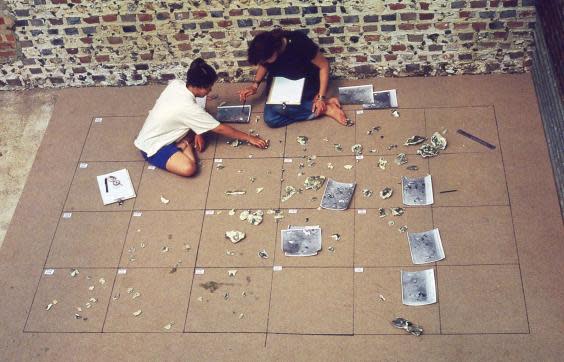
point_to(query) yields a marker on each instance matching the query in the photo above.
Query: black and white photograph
(337, 195)
(418, 288)
(417, 191)
(426, 247)
(115, 186)
(361, 94)
(234, 114)
(383, 99)
(301, 240)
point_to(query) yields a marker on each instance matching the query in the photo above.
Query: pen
(106, 183)
(244, 102)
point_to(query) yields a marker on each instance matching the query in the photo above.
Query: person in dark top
(292, 55)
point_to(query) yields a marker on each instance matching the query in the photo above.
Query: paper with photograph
(418, 288)
(360, 94)
(417, 191)
(234, 114)
(286, 91)
(383, 99)
(426, 247)
(301, 240)
(115, 186)
(337, 195)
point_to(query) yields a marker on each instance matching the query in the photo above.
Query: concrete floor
(500, 296)
(24, 119)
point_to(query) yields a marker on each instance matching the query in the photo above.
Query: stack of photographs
(383, 99)
(234, 114)
(361, 94)
(426, 247)
(337, 195)
(417, 191)
(301, 240)
(418, 288)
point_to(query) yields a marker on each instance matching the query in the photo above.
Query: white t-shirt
(174, 114)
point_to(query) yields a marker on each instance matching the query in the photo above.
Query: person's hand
(258, 142)
(199, 143)
(247, 92)
(319, 107)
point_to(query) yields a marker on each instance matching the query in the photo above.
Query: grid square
(239, 304)
(393, 131)
(312, 301)
(482, 299)
(111, 139)
(379, 244)
(369, 176)
(84, 194)
(276, 136)
(323, 133)
(331, 222)
(162, 239)
(378, 301)
(217, 251)
(183, 193)
(476, 235)
(238, 175)
(479, 121)
(163, 300)
(71, 293)
(89, 239)
(479, 179)
(297, 170)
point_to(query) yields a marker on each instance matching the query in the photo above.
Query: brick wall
(109, 42)
(8, 51)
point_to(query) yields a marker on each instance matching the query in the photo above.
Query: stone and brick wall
(111, 42)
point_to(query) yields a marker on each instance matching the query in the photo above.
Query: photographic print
(383, 99)
(337, 195)
(360, 94)
(301, 240)
(417, 191)
(426, 247)
(234, 114)
(418, 288)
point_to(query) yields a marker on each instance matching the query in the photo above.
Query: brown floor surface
(500, 295)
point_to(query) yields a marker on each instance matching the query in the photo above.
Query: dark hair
(264, 45)
(200, 74)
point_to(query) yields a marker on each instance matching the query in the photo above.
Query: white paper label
(359, 270)
(98, 120)
(293, 211)
(288, 160)
(218, 160)
(360, 112)
(277, 268)
(137, 213)
(122, 271)
(199, 271)
(359, 157)
(67, 215)
(361, 211)
(210, 212)
(151, 167)
(82, 165)
(49, 271)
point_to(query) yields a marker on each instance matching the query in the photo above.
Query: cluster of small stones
(56, 43)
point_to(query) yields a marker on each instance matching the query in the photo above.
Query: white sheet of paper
(286, 91)
(116, 192)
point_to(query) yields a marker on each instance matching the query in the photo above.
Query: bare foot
(336, 113)
(335, 101)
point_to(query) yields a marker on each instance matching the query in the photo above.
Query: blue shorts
(160, 158)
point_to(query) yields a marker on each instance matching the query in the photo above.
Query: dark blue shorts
(160, 158)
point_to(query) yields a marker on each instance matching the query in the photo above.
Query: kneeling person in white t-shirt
(167, 138)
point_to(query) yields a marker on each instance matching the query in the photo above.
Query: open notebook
(286, 91)
(115, 186)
